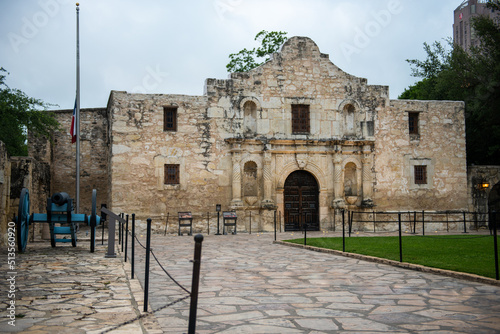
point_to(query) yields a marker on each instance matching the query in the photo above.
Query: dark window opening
(420, 174)
(413, 123)
(170, 119)
(172, 174)
(300, 119)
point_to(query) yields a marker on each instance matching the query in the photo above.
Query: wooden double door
(301, 202)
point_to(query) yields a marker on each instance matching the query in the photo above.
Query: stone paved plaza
(248, 285)
(70, 290)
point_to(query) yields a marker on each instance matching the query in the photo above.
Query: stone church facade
(296, 134)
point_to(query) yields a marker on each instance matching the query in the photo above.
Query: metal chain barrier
(166, 272)
(193, 294)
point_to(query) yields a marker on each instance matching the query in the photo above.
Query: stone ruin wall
(61, 154)
(440, 145)
(140, 149)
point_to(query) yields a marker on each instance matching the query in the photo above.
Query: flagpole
(77, 108)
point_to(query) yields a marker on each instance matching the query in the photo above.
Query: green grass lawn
(464, 253)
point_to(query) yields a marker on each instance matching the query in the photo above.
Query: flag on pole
(73, 125)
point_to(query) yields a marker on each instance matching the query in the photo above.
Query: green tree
(20, 114)
(246, 60)
(473, 77)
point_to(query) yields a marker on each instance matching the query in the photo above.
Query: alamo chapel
(296, 134)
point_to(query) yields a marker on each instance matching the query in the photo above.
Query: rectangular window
(420, 174)
(413, 123)
(170, 119)
(172, 174)
(300, 119)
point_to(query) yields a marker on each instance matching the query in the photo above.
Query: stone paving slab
(70, 290)
(251, 285)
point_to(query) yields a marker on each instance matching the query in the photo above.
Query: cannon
(59, 211)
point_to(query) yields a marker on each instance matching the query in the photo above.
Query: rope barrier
(135, 236)
(170, 276)
(193, 294)
(164, 270)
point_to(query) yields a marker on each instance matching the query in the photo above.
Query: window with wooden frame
(413, 123)
(300, 119)
(420, 173)
(172, 174)
(169, 118)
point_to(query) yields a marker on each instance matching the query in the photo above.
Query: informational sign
(185, 215)
(229, 214)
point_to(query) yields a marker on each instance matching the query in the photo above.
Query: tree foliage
(246, 60)
(20, 115)
(473, 77)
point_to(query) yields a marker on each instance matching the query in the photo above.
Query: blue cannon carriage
(59, 211)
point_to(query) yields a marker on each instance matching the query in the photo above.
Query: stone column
(236, 185)
(338, 201)
(367, 160)
(268, 181)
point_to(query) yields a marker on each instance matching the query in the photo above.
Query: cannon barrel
(60, 198)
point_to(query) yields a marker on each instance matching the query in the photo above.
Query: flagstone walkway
(70, 290)
(250, 285)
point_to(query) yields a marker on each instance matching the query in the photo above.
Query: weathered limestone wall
(299, 74)
(61, 156)
(29, 173)
(440, 146)
(140, 149)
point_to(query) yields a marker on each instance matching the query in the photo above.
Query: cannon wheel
(22, 222)
(93, 220)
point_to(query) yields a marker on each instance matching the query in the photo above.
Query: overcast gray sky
(171, 47)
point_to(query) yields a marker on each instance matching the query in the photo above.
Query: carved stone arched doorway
(301, 201)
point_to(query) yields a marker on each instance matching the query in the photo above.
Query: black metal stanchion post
(126, 237)
(198, 239)
(250, 227)
(208, 223)
(400, 239)
(423, 222)
(103, 219)
(495, 243)
(414, 222)
(465, 223)
(92, 233)
(120, 230)
(133, 246)
(343, 230)
(218, 219)
(146, 271)
(349, 221)
(374, 220)
(305, 233)
(274, 225)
